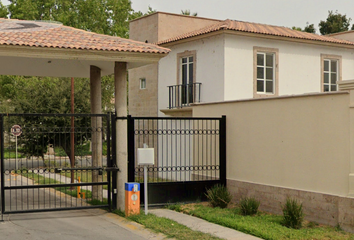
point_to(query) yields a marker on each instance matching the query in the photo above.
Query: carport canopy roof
(37, 48)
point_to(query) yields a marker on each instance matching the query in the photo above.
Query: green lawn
(168, 227)
(263, 225)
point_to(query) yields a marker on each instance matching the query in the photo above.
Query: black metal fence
(183, 95)
(52, 165)
(190, 155)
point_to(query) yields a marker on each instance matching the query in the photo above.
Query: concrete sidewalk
(201, 225)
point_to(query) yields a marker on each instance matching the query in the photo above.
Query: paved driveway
(90, 224)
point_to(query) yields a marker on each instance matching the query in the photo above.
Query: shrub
(218, 196)
(249, 206)
(292, 214)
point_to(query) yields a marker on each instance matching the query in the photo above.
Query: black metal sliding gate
(53, 165)
(190, 156)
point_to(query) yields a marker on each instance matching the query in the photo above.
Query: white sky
(286, 13)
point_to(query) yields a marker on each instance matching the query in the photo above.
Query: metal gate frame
(110, 168)
(160, 192)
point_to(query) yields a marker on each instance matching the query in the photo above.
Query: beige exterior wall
(298, 146)
(143, 102)
(153, 28)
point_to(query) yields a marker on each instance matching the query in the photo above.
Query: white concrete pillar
(96, 124)
(120, 78)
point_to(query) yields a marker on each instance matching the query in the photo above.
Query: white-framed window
(265, 72)
(186, 77)
(330, 74)
(142, 83)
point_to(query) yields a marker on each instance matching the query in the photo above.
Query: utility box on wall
(132, 198)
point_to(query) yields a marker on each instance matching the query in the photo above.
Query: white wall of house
(209, 69)
(225, 66)
(299, 65)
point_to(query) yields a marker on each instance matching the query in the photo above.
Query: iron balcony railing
(183, 95)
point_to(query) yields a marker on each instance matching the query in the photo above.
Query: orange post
(78, 188)
(132, 198)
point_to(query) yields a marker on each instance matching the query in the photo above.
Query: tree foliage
(334, 23)
(188, 13)
(3, 11)
(308, 28)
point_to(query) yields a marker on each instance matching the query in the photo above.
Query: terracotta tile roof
(256, 28)
(54, 35)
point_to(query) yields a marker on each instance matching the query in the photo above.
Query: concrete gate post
(120, 79)
(96, 124)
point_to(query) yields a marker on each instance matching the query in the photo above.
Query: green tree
(310, 28)
(334, 23)
(188, 12)
(3, 11)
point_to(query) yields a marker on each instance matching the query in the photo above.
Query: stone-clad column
(96, 124)
(120, 78)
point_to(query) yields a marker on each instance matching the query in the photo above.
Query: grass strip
(167, 227)
(263, 225)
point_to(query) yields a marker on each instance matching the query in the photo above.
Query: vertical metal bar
(222, 151)
(2, 172)
(114, 159)
(131, 148)
(109, 160)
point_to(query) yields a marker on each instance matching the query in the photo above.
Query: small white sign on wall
(145, 156)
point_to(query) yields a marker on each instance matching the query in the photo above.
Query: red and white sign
(16, 130)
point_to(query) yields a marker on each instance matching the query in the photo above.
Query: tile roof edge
(225, 25)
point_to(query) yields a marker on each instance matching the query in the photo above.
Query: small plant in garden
(292, 214)
(249, 206)
(218, 196)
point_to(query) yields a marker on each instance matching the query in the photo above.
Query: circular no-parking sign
(16, 130)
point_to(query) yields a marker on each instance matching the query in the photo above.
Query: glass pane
(260, 59)
(260, 86)
(326, 78)
(190, 59)
(326, 88)
(269, 86)
(190, 73)
(184, 74)
(333, 66)
(333, 88)
(269, 60)
(326, 65)
(260, 73)
(333, 78)
(184, 60)
(269, 73)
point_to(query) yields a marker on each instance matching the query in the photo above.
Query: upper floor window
(331, 72)
(186, 79)
(266, 74)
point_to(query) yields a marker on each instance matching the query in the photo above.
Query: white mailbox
(145, 156)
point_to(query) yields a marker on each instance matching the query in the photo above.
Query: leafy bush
(219, 196)
(249, 206)
(292, 214)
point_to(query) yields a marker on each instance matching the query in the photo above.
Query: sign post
(16, 130)
(145, 157)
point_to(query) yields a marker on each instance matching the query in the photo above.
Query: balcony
(183, 95)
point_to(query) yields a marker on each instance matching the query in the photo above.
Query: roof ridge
(256, 28)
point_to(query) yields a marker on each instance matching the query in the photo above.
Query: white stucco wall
(209, 69)
(299, 65)
(225, 66)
